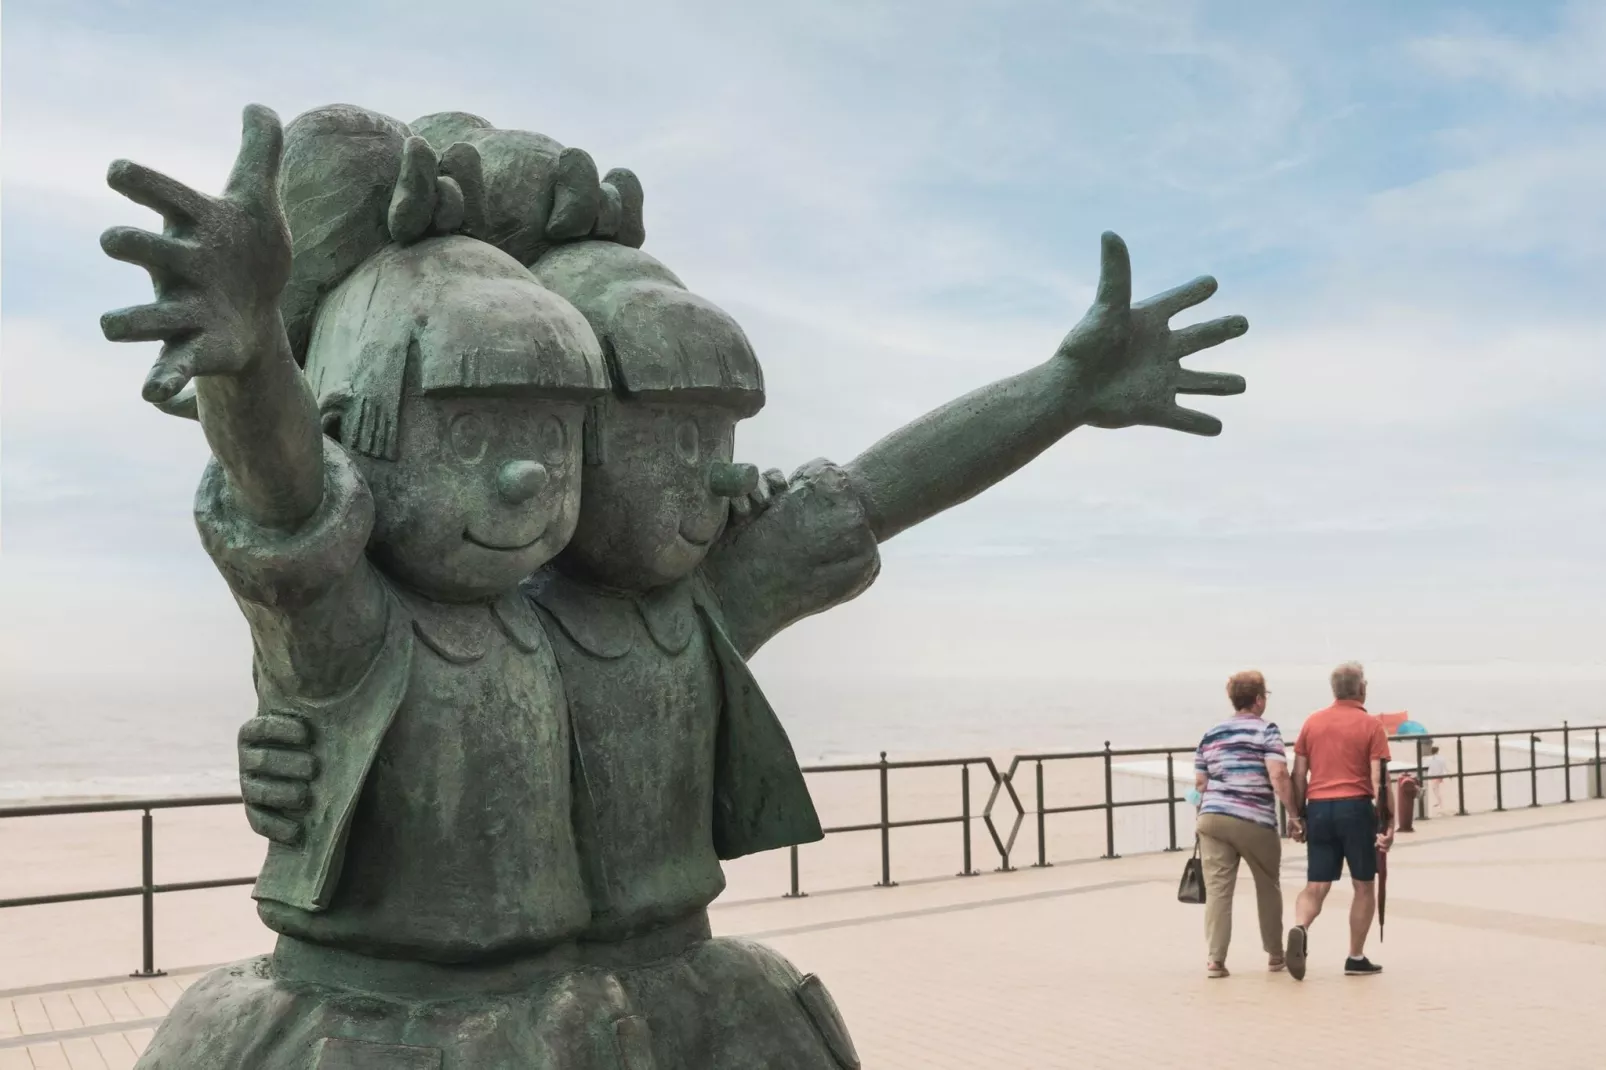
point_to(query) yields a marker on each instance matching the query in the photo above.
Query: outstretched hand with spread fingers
(218, 267)
(1128, 359)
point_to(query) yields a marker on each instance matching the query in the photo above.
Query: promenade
(1495, 957)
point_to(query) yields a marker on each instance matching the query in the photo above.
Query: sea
(76, 741)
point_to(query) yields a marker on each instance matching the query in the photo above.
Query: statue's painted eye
(554, 440)
(469, 434)
(688, 441)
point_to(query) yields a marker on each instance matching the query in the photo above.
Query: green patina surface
(474, 487)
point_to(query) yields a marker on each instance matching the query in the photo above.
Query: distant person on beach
(1338, 776)
(1240, 771)
(1438, 769)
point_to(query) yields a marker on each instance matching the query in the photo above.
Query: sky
(901, 201)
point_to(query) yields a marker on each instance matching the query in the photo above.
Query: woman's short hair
(1244, 688)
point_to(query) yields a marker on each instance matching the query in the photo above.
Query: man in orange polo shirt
(1338, 776)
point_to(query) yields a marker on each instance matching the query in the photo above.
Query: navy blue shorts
(1339, 831)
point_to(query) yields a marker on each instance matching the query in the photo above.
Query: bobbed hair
(466, 317)
(661, 341)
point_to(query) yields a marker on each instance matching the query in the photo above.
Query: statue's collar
(603, 621)
(461, 634)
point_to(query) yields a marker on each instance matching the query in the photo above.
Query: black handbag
(1192, 888)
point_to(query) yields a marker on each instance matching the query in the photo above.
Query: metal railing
(147, 889)
(1002, 790)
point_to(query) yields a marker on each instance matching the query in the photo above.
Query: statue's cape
(346, 730)
(761, 800)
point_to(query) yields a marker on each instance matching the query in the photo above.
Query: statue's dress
(680, 762)
(431, 913)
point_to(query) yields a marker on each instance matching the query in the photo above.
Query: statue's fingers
(776, 479)
(288, 795)
(279, 762)
(1182, 297)
(182, 404)
(1189, 421)
(1215, 384)
(741, 508)
(275, 729)
(1115, 273)
(150, 323)
(154, 252)
(1205, 335)
(254, 181)
(273, 826)
(172, 372)
(175, 201)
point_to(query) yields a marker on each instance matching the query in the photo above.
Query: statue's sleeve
(316, 608)
(811, 549)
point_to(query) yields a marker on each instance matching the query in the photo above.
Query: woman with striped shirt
(1240, 771)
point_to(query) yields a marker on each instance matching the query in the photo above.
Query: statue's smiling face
(649, 511)
(484, 491)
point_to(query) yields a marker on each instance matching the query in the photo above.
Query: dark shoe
(1294, 956)
(1361, 967)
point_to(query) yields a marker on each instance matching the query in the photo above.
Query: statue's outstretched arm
(218, 268)
(1119, 367)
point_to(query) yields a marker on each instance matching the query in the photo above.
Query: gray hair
(1349, 681)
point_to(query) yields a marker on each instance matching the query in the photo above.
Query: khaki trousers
(1223, 841)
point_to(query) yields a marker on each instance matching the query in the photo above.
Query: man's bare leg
(1360, 917)
(1309, 904)
(1306, 908)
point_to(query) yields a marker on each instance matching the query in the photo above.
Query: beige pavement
(1495, 957)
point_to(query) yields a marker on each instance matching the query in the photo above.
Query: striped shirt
(1233, 756)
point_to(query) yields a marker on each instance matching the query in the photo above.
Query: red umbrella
(1382, 891)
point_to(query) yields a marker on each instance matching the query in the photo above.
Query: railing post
(148, 897)
(1566, 765)
(1171, 798)
(1533, 769)
(886, 832)
(1422, 784)
(1499, 779)
(1460, 780)
(1042, 831)
(796, 892)
(1109, 803)
(1600, 788)
(964, 815)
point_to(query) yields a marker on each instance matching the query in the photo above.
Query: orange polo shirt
(1339, 743)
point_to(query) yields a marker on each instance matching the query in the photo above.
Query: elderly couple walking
(1241, 772)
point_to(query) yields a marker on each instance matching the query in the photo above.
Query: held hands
(1296, 830)
(1128, 357)
(218, 266)
(771, 485)
(277, 770)
(1385, 840)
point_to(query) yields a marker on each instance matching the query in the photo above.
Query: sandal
(1216, 969)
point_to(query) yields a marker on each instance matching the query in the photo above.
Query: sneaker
(1361, 967)
(1295, 954)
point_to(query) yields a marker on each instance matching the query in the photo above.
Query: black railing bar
(912, 763)
(71, 897)
(123, 893)
(876, 826)
(112, 806)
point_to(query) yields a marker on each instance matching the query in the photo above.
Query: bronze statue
(498, 808)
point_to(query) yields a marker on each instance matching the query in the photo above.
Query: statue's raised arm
(1119, 367)
(218, 268)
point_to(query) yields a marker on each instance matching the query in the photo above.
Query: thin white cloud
(1566, 64)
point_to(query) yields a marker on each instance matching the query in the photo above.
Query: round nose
(519, 481)
(732, 480)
